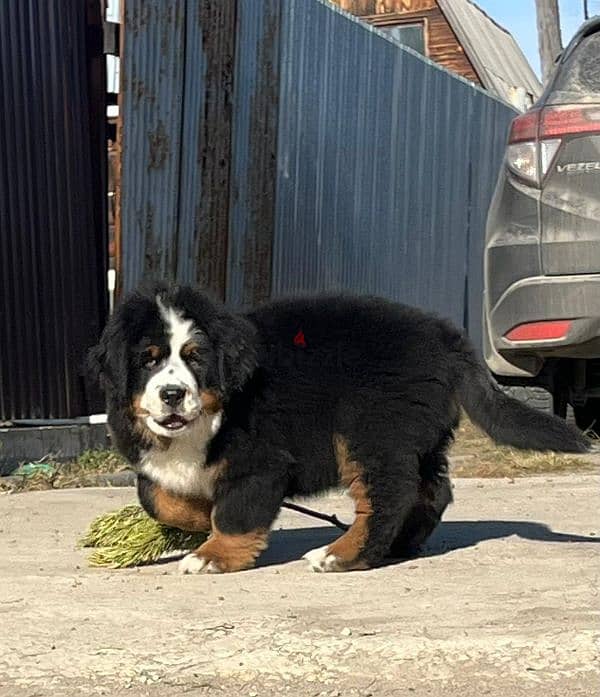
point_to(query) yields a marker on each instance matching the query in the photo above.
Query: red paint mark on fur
(299, 339)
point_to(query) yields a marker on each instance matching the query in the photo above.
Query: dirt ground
(505, 601)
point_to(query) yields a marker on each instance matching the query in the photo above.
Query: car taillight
(566, 120)
(535, 137)
(523, 160)
(540, 331)
(522, 154)
(525, 127)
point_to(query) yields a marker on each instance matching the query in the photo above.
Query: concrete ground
(504, 602)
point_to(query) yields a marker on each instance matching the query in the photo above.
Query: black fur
(387, 378)
(145, 495)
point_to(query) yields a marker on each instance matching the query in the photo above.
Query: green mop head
(129, 537)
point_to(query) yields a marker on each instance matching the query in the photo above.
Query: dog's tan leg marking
(344, 553)
(191, 514)
(223, 553)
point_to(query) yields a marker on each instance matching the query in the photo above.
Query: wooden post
(548, 22)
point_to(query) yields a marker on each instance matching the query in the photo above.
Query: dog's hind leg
(381, 491)
(435, 494)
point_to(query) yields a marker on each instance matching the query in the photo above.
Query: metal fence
(347, 161)
(53, 243)
(176, 82)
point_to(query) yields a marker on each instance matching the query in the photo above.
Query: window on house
(412, 35)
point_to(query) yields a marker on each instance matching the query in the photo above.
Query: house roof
(493, 52)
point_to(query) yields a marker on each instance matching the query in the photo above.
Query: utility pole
(586, 9)
(548, 22)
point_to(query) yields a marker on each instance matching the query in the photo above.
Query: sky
(518, 16)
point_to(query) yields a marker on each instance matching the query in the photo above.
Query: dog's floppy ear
(107, 361)
(237, 351)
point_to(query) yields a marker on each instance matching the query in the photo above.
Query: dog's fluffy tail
(508, 421)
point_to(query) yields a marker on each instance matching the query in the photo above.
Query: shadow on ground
(289, 545)
(459, 534)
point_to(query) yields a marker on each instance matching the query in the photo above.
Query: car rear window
(578, 78)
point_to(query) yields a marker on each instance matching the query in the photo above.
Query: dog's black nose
(172, 395)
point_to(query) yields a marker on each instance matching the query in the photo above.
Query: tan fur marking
(136, 406)
(348, 547)
(233, 552)
(153, 352)
(189, 348)
(191, 514)
(211, 401)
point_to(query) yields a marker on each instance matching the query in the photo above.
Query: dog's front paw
(194, 564)
(321, 561)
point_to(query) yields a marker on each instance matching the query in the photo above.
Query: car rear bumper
(538, 298)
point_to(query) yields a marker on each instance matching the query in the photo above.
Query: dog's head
(167, 358)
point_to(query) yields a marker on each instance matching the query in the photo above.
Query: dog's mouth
(173, 422)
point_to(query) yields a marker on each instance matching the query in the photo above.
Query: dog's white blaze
(174, 371)
(180, 329)
(181, 468)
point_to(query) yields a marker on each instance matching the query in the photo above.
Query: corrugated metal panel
(354, 162)
(151, 104)
(498, 59)
(254, 152)
(381, 185)
(175, 101)
(205, 242)
(52, 204)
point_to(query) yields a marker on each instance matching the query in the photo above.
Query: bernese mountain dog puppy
(225, 415)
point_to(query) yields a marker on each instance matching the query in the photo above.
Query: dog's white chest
(181, 468)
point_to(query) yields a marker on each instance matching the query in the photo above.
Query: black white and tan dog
(224, 415)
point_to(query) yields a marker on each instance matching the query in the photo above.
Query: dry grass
(65, 475)
(475, 455)
(129, 537)
(472, 455)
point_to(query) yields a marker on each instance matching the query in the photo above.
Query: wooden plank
(442, 43)
(357, 7)
(361, 8)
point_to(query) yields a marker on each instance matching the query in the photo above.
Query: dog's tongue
(173, 422)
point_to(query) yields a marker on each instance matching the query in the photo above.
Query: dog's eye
(191, 352)
(150, 357)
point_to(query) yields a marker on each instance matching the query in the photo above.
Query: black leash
(333, 519)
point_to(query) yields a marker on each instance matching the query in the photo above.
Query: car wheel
(535, 397)
(587, 417)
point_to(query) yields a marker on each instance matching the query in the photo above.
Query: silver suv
(542, 255)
